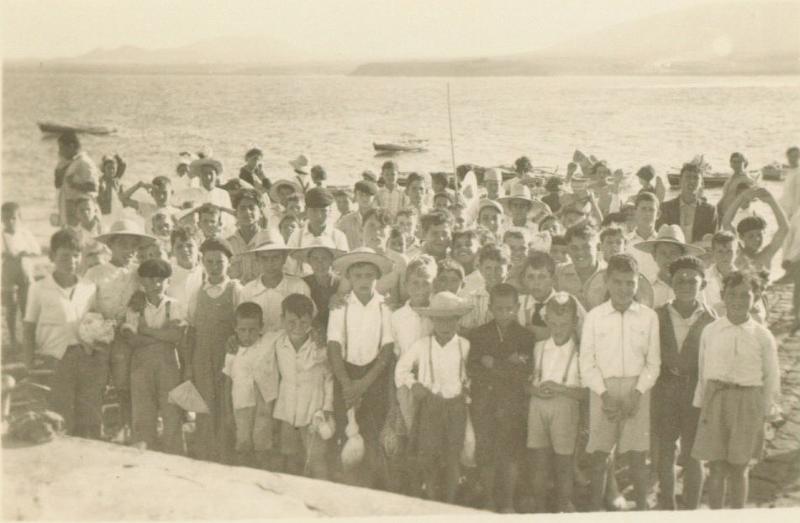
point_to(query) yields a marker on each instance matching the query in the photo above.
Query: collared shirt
(57, 312)
(115, 286)
(391, 199)
(713, 291)
(472, 282)
(252, 367)
(687, 212)
(306, 381)
(480, 312)
(568, 280)
(530, 310)
(351, 225)
(361, 330)
(647, 264)
(681, 325)
(556, 363)
(407, 327)
(662, 293)
(620, 345)
(744, 354)
(270, 300)
(303, 237)
(156, 316)
(244, 267)
(439, 369)
(184, 283)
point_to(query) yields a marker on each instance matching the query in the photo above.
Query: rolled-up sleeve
(336, 325)
(652, 357)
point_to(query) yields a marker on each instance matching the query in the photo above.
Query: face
(612, 244)
(375, 235)
(86, 211)
(561, 326)
(465, 249)
(216, 263)
(583, 252)
(504, 309)
(519, 251)
(441, 202)
(419, 287)
(666, 253)
(560, 253)
(318, 215)
(519, 210)
(492, 188)
(724, 253)
(690, 184)
(247, 212)
(210, 224)
(406, 224)
(185, 251)
(67, 150)
(687, 284)
(646, 213)
(287, 228)
(284, 191)
(362, 278)
(622, 287)
(253, 161)
(161, 193)
(271, 263)
(208, 176)
(123, 249)
(389, 175)
(109, 169)
(293, 208)
(320, 260)
(490, 219)
(248, 330)
(154, 287)
(737, 164)
(364, 200)
(437, 239)
(753, 240)
(10, 220)
(738, 300)
(397, 243)
(493, 272)
(449, 281)
(416, 191)
(343, 204)
(445, 327)
(538, 281)
(66, 260)
(296, 326)
(551, 226)
(162, 225)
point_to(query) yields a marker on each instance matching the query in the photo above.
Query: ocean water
(629, 121)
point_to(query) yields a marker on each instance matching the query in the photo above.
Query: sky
(325, 29)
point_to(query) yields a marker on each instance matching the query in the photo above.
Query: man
(76, 176)
(436, 229)
(695, 216)
(522, 166)
(352, 224)
(582, 247)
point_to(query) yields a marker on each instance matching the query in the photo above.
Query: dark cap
(366, 187)
(751, 223)
(687, 262)
(155, 268)
(318, 198)
(214, 244)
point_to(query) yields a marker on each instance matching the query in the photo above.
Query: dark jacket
(485, 341)
(683, 363)
(705, 218)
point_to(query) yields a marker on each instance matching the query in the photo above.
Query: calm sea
(629, 121)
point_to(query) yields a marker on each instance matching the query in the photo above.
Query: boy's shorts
(13, 275)
(254, 426)
(553, 423)
(629, 434)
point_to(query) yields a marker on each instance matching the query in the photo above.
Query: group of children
(406, 352)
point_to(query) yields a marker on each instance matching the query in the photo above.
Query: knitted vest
(683, 363)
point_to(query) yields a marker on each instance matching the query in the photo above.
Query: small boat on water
(770, 173)
(52, 127)
(410, 147)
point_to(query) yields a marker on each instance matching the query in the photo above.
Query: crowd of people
(422, 334)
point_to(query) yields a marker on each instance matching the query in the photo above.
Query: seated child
(18, 244)
(305, 395)
(738, 382)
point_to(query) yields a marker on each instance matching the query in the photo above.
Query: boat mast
(452, 145)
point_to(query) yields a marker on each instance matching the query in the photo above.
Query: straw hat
(273, 192)
(518, 192)
(669, 233)
(320, 242)
(196, 166)
(491, 174)
(125, 227)
(445, 305)
(270, 244)
(363, 255)
(486, 202)
(299, 163)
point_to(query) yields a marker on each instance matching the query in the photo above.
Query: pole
(452, 143)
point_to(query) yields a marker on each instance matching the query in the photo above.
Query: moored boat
(52, 127)
(398, 147)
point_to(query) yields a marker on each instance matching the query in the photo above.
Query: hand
(571, 168)
(542, 391)
(610, 407)
(631, 405)
(137, 301)
(487, 361)
(516, 359)
(419, 391)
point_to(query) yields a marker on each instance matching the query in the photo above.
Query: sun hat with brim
(191, 210)
(270, 244)
(445, 305)
(196, 166)
(487, 203)
(672, 234)
(299, 163)
(273, 192)
(363, 255)
(519, 192)
(125, 227)
(319, 243)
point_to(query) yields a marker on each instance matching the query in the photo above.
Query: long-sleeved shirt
(744, 354)
(439, 369)
(271, 299)
(361, 330)
(407, 327)
(620, 345)
(306, 381)
(391, 199)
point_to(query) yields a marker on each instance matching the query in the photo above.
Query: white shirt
(115, 286)
(681, 325)
(156, 316)
(21, 240)
(439, 369)
(620, 345)
(553, 362)
(662, 293)
(184, 283)
(306, 381)
(407, 327)
(712, 294)
(361, 330)
(252, 367)
(303, 237)
(647, 264)
(480, 313)
(270, 300)
(472, 282)
(57, 312)
(391, 199)
(744, 354)
(527, 307)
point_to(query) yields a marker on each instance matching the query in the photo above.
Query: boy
(491, 180)
(161, 225)
(612, 241)
(269, 290)
(450, 278)
(752, 228)
(439, 390)
(244, 267)
(517, 241)
(56, 305)
(646, 205)
(465, 251)
(407, 325)
(538, 279)
(493, 261)
(723, 256)
(619, 363)
(417, 190)
(252, 385)
(18, 244)
(160, 191)
(209, 220)
(322, 283)
(554, 411)
(406, 221)
(520, 204)
(738, 382)
(352, 224)
(306, 389)
(342, 202)
(490, 217)
(559, 249)
(286, 226)
(582, 247)
(187, 273)
(154, 333)
(681, 323)
(375, 234)
(497, 367)
(318, 224)
(360, 348)
(436, 232)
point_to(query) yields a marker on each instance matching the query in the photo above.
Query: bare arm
(125, 196)
(733, 208)
(783, 227)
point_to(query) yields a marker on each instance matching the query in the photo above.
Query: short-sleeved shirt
(57, 312)
(391, 199)
(252, 367)
(440, 369)
(556, 363)
(361, 330)
(270, 300)
(306, 381)
(156, 316)
(407, 327)
(21, 241)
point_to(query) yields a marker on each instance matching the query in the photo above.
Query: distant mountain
(720, 38)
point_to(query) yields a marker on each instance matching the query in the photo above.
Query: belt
(726, 385)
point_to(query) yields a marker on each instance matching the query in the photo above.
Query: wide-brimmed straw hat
(197, 165)
(299, 163)
(486, 202)
(273, 191)
(270, 243)
(518, 192)
(363, 255)
(125, 227)
(320, 242)
(672, 234)
(445, 305)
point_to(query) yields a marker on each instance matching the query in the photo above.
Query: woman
(110, 186)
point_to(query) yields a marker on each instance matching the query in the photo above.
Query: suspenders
(461, 370)
(566, 369)
(380, 330)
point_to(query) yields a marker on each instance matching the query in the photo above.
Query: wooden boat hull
(397, 148)
(51, 127)
(709, 181)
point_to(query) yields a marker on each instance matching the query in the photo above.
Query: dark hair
(64, 239)
(751, 223)
(298, 304)
(413, 177)
(613, 230)
(423, 263)
(377, 213)
(547, 218)
(739, 155)
(756, 279)
(471, 234)
(558, 239)
(622, 263)
(439, 178)
(389, 164)
(537, 260)
(213, 244)
(10, 208)
(503, 290)
(180, 233)
(690, 168)
(69, 138)
(492, 251)
(318, 173)
(449, 264)
(613, 218)
(646, 173)
(161, 181)
(645, 196)
(722, 238)
(406, 212)
(597, 165)
(522, 162)
(792, 149)
(432, 219)
(687, 262)
(244, 194)
(255, 151)
(249, 310)
(286, 219)
(208, 208)
(584, 231)
(513, 233)
(553, 183)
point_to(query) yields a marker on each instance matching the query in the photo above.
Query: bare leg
(692, 484)
(737, 485)
(564, 482)
(716, 484)
(641, 476)
(541, 465)
(599, 466)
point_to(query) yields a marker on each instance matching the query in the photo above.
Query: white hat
(491, 175)
(273, 191)
(669, 233)
(363, 255)
(320, 242)
(196, 166)
(518, 192)
(299, 163)
(445, 305)
(125, 227)
(271, 244)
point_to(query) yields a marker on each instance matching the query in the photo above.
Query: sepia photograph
(400, 258)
